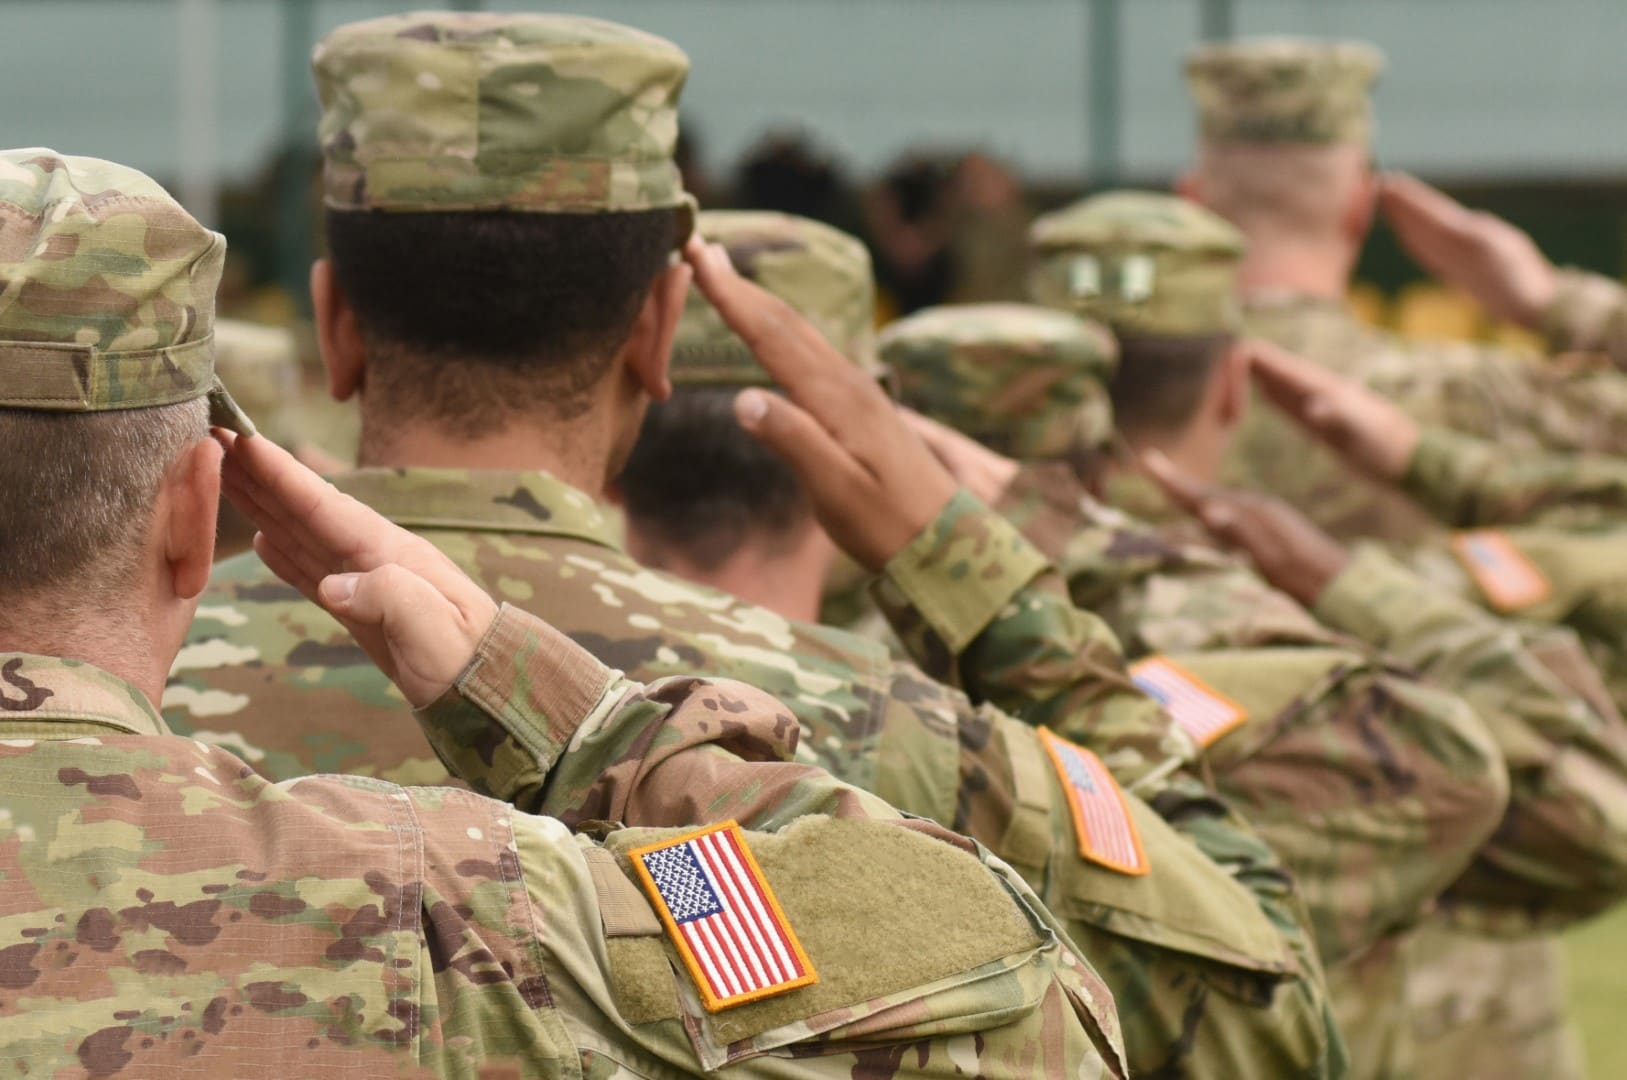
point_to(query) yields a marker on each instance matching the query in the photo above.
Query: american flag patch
(1201, 711)
(1509, 579)
(1101, 818)
(723, 917)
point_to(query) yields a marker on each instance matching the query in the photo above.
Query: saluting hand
(415, 614)
(1290, 551)
(1493, 261)
(1371, 434)
(873, 483)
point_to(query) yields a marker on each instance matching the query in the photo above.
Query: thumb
(408, 626)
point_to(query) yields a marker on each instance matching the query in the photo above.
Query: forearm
(1562, 844)
(1467, 482)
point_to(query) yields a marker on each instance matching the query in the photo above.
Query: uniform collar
(482, 500)
(43, 697)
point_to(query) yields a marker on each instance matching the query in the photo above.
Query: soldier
(1286, 132)
(471, 389)
(170, 911)
(1161, 271)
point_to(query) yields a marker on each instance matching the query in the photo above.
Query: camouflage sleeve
(1588, 314)
(1048, 663)
(1561, 851)
(679, 751)
(1469, 482)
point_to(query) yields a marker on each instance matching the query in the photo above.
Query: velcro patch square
(1509, 580)
(1101, 817)
(1200, 710)
(722, 916)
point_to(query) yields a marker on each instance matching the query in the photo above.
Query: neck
(1292, 266)
(788, 580)
(578, 452)
(119, 644)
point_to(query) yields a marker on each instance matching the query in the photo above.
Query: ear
(649, 347)
(339, 338)
(1232, 391)
(1358, 215)
(190, 498)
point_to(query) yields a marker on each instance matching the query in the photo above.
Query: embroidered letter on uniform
(1201, 711)
(1101, 818)
(722, 916)
(1509, 579)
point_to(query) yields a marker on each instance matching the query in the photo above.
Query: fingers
(785, 428)
(1206, 504)
(1430, 224)
(1289, 382)
(811, 371)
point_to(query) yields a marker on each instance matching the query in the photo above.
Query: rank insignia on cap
(1197, 708)
(1509, 579)
(723, 917)
(1101, 817)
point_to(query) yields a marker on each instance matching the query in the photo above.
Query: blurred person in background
(1284, 154)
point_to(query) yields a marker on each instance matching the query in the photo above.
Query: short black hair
(698, 483)
(474, 316)
(1161, 378)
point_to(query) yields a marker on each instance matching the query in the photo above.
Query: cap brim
(226, 413)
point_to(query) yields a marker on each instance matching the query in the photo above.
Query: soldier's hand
(1480, 253)
(417, 616)
(873, 482)
(1290, 551)
(974, 466)
(1369, 433)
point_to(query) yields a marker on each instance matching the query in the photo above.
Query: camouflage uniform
(1214, 969)
(167, 910)
(1565, 762)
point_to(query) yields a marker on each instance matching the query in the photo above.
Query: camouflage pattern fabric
(110, 301)
(1139, 261)
(434, 932)
(1472, 389)
(1044, 396)
(439, 111)
(822, 272)
(1207, 958)
(1284, 90)
(1588, 314)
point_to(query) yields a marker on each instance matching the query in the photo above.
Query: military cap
(447, 111)
(1140, 261)
(1284, 90)
(261, 363)
(109, 291)
(1024, 380)
(821, 272)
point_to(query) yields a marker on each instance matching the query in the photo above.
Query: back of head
(106, 371)
(500, 194)
(1286, 129)
(1162, 273)
(1020, 379)
(696, 482)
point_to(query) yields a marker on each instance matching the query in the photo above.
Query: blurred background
(934, 129)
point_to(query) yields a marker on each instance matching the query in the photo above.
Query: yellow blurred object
(1426, 311)
(1518, 339)
(1369, 304)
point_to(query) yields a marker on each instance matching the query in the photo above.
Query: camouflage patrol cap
(1284, 90)
(1140, 261)
(261, 363)
(108, 299)
(445, 111)
(821, 272)
(1023, 380)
